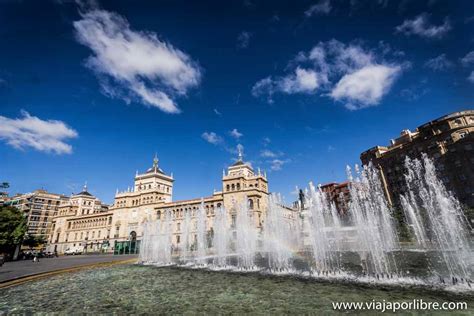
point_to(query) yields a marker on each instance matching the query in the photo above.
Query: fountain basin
(170, 290)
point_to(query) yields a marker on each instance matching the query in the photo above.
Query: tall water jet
(186, 237)
(158, 245)
(221, 237)
(372, 218)
(246, 236)
(280, 235)
(435, 217)
(324, 228)
(201, 234)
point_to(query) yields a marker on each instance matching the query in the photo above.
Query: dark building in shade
(339, 194)
(448, 140)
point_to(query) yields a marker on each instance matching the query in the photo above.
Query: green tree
(12, 229)
(33, 241)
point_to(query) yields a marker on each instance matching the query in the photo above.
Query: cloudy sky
(90, 90)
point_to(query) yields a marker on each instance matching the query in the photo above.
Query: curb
(41, 275)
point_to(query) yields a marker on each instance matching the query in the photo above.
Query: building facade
(81, 221)
(339, 194)
(448, 140)
(151, 199)
(39, 208)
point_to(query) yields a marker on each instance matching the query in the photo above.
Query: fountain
(435, 217)
(361, 244)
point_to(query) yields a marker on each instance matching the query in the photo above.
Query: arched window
(228, 187)
(219, 205)
(238, 186)
(233, 187)
(250, 204)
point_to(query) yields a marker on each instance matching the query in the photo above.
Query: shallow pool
(151, 290)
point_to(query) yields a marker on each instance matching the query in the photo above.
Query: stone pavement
(18, 269)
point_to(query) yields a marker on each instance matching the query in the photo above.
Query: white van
(74, 250)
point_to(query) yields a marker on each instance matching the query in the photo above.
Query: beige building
(81, 221)
(449, 140)
(39, 208)
(151, 197)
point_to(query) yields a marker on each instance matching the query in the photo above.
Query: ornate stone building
(151, 198)
(449, 140)
(81, 221)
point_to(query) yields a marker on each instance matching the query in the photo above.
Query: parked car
(74, 251)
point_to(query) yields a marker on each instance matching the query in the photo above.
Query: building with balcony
(448, 140)
(39, 207)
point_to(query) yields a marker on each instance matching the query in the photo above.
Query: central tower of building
(240, 183)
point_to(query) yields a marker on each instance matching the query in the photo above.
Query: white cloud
(217, 112)
(471, 77)
(439, 63)
(332, 68)
(31, 131)
(133, 65)
(268, 154)
(264, 87)
(322, 7)
(277, 164)
(468, 59)
(212, 138)
(235, 133)
(366, 86)
(422, 27)
(243, 39)
(303, 81)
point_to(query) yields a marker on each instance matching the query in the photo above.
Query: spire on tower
(84, 189)
(155, 161)
(239, 148)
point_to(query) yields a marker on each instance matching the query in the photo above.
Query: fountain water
(324, 230)
(221, 237)
(157, 245)
(186, 237)
(201, 234)
(246, 236)
(436, 217)
(319, 238)
(372, 220)
(280, 236)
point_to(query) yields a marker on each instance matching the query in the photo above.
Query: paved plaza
(18, 269)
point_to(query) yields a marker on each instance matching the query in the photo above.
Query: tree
(12, 229)
(33, 241)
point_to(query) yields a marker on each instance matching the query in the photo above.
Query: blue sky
(91, 90)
